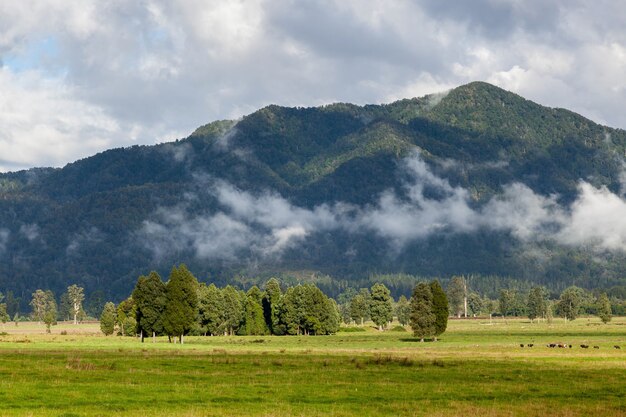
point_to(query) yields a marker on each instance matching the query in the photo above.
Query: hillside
(474, 181)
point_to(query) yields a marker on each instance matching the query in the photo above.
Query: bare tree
(77, 296)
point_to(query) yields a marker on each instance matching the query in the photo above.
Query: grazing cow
(521, 345)
(584, 346)
(552, 345)
(530, 345)
(596, 347)
(616, 347)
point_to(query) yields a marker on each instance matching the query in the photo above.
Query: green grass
(477, 368)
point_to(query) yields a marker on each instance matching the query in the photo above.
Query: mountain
(477, 180)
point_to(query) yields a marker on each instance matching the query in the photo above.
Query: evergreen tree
(107, 319)
(422, 319)
(125, 309)
(403, 310)
(65, 307)
(253, 319)
(271, 306)
(233, 310)
(38, 304)
(506, 301)
(306, 310)
(440, 308)
(359, 308)
(210, 309)
(536, 303)
(457, 296)
(149, 297)
(604, 308)
(50, 310)
(13, 304)
(181, 303)
(4, 316)
(570, 301)
(381, 307)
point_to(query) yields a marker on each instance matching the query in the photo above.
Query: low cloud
(266, 224)
(4, 239)
(30, 231)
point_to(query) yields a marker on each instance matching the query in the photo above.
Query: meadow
(476, 368)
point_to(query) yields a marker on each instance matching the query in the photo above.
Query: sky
(81, 76)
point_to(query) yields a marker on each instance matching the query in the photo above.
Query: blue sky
(82, 76)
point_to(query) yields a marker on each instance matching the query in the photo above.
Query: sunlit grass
(477, 368)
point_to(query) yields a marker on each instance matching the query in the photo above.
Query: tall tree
(107, 319)
(13, 303)
(149, 297)
(210, 309)
(570, 301)
(423, 319)
(506, 301)
(181, 303)
(271, 306)
(440, 308)
(76, 295)
(50, 310)
(38, 303)
(403, 310)
(4, 316)
(65, 307)
(604, 308)
(253, 319)
(359, 306)
(457, 296)
(125, 316)
(233, 310)
(381, 307)
(537, 303)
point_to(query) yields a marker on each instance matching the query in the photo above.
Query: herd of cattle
(565, 345)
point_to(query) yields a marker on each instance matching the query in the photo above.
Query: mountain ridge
(85, 222)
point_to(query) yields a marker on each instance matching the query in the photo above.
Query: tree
(149, 297)
(604, 308)
(48, 309)
(457, 296)
(271, 306)
(422, 319)
(76, 296)
(440, 308)
(38, 303)
(359, 306)
(13, 304)
(253, 319)
(4, 316)
(107, 319)
(569, 302)
(233, 310)
(306, 310)
(96, 302)
(210, 309)
(506, 301)
(537, 304)
(65, 307)
(381, 307)
(125, 310)
(403, 310)
(181, 303)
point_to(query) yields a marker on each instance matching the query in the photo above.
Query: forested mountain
(474, 181)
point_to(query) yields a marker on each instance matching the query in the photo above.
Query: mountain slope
(478, 180)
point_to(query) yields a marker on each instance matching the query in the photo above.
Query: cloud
(101, 75)
(30, 231)
(4, 239)
(265, 224)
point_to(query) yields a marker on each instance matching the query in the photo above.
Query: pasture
(476, 368)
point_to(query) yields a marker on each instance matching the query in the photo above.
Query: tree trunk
(182, 339)
(141, 333)
(153, 337)
(422, 340)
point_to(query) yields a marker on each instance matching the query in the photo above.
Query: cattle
(530, 345)
(584, 346)
(521, 345)
(596, 347)
(551, 345)
(616, 347)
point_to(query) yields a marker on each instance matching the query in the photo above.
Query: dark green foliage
(457, 293)
(306, 310)
(108, 319)
(403, 310)
(570, 302)
(440, 307)
(50, 310)
(314, 156)
(381, 308)
(271, 306)
(359, 306)
(125, 309)
(181, 303)
(233, 309)
(537, 303)
(150, 300)
(4, 316)
(253, 319)
(210, 309)
(422, 320)
(604, 308)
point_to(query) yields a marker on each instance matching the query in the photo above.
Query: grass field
(477, 368)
